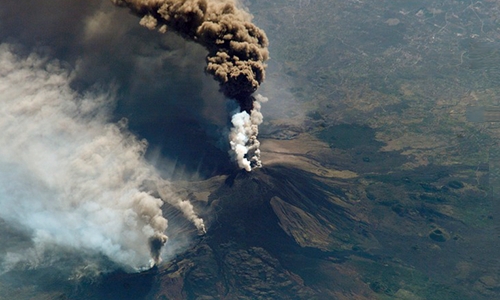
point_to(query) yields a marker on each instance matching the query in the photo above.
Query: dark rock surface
(269, 224)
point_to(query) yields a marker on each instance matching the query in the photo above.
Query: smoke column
(237, 52)
(68, 175)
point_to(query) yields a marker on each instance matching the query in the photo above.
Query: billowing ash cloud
(71, 177)
(237, 52)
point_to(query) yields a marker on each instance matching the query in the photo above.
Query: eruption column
(237, 52)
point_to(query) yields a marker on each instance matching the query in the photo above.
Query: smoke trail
(69, 176)
(237, 52)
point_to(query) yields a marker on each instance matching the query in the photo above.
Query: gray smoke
(237, 52)
(71, 177)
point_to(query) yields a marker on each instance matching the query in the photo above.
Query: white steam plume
(243, 136)
(68, 175)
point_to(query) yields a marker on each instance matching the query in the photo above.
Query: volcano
(274, 234)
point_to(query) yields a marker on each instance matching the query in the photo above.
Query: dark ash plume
(156, 243)
(237, 48)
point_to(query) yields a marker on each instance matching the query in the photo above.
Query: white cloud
(69, 175)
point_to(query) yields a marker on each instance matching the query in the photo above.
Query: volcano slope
(277, 233)
(273, 229)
